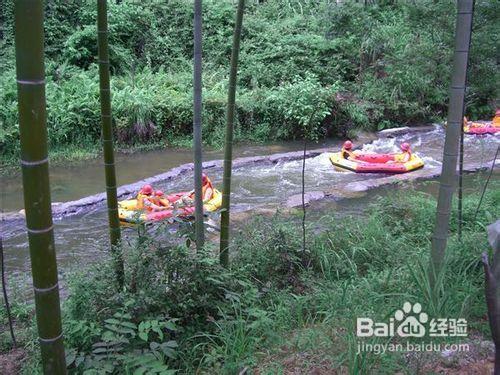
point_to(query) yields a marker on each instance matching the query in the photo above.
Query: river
(83, 238)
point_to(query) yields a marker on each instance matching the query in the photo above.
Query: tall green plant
(29, 41)
(107, 137)
(197, 119)
(228, 143)
(448, 179)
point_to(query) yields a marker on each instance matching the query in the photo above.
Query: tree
(29, 46)
(228, 143)
(107, 138)
(197, 119)
(448, 178)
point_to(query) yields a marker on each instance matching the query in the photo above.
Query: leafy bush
(123, 345)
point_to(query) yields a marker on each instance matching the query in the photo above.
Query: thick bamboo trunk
(228, 145)
(197, 122)
(107, 138)
(460, 183)
(448, 178)
(29, 40)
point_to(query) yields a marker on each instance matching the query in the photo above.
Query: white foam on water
(417, 143)
(430, 161)
(381, 145)
(323, 159)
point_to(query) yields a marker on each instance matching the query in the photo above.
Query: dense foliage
(183, 311)
(361, 64)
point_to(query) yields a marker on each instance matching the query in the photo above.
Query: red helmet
(405, 146)
(204, 178)
(159, 193)
(147, 189)
(347, 145)
(497, 112)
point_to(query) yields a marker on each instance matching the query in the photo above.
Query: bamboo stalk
(107, 138)
(228, 146)
(197, 124)
(29, 42)
(303, 193)
(448, 178)
(460, 183)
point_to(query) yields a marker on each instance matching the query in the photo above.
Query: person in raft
(207, 192)
(143, 196)
(472, 124)
(151, 200)
(405, 155)
(160, 202)
(346, 151)
(495, 122)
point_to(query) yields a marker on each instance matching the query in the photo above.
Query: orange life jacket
(496, 121)
(204, 188)
(140, 200)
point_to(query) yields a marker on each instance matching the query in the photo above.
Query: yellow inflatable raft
(130, 214)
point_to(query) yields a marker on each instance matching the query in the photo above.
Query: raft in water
(481, 128)
(375, 163)
(130, 214)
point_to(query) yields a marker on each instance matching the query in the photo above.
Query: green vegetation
(182, 310)
(371, 66)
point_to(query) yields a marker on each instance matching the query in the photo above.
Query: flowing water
(83, 238)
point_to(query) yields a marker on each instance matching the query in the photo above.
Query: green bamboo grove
(197, 121)
(228, 143)
(107, 138)
(29, 46)
(448, 180)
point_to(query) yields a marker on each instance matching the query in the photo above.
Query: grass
(279, 310)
